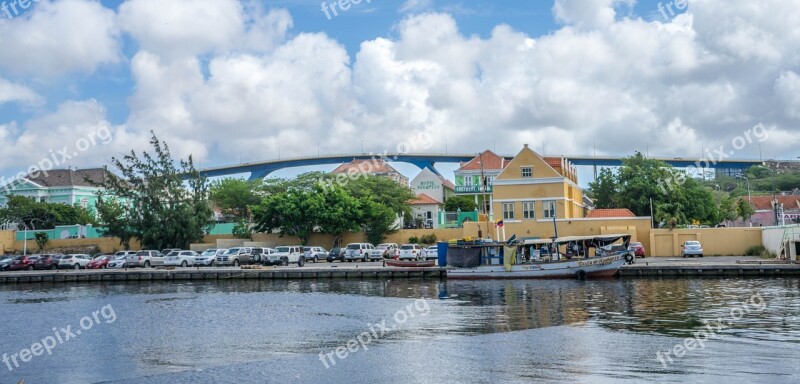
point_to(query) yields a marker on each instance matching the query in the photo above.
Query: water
(483, 332)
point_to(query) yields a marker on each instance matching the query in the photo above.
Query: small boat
(584, 257)
(412, 264)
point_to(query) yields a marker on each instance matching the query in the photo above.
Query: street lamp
(749, 199)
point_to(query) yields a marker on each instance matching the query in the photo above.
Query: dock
(714, 267)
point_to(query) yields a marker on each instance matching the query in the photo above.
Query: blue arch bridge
(265, 168)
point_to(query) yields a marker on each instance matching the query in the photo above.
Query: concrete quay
(727, 266)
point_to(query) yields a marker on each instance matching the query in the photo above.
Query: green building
(65, 186)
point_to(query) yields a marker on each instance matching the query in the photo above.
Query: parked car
(260, 254)
(288, 254)
(384, 251)
(358, 251)
(144, 259)
(235, 256)
(24, 262)
(336, 254)
(167, 251)
(99, 262)
(314, 253)
(692, 248)
(410, 251)
(208, 257)
(637, 248)
(74, 261)
(180, 259)
(5, 262)
(117, 262)
(431, 252)
(47, 261)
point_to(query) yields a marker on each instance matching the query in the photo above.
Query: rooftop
(609, 213)
(491, 161)
(423, 199)
(69, 177)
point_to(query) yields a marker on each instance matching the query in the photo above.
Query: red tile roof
(423, 199)
(491, 161)
(369, 166)
(447, 183)
(607, 213)
(764, 203)
(554, 162)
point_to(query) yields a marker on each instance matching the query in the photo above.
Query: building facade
(63, 186)
(475, 178)
(373, 167)
(429, 183)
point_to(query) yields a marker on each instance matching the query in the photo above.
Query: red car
(47, 262)
(24, 262)
(637, 248)
(99, 262)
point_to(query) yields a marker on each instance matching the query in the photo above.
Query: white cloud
(588, 14)
(415, 6)
(55, 38)
(10, 92)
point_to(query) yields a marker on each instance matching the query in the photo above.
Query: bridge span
(429, 160)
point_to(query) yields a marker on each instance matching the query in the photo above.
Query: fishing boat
(412, 264)
(582, 257)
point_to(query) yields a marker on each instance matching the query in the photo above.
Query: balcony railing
(472, 189)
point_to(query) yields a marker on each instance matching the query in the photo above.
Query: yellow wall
(7, 241)
(715, 241)
(105, 244)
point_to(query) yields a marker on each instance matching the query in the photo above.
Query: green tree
(41, 239)
(744, 209)
(115, 220)
(235, 196)
(292, 213)
(31, 214)
(340, 212)
(462, 203)
(165, 205)
(378, 221)
(604, 189)
(383, 201)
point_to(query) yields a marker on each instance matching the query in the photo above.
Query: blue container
(441, 251)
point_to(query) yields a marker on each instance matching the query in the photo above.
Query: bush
(759, 250)
(413, 240)
(756, 250)
(428, 239)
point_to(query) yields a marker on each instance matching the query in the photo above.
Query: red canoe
(413, 264)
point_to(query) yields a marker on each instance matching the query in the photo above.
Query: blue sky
(230, 81)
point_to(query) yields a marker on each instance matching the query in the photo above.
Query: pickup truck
(144, 259)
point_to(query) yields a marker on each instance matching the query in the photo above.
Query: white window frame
(508, 214)
(522, 172)
(529, 210)
(549, 209)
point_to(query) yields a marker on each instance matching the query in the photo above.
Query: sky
(230, 81)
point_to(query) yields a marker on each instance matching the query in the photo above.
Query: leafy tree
(31, 214)
(340, 213)
(115, 221)
(41, 239)
(463, 203)
(292, 213)
(161, 209)
(604, 189)
(383, 201)
(234, 196)
(727, 210)
(243, 229)
(378, 221)
(744, 210)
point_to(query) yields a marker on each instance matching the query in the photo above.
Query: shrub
(428, 239)
(413, 240)
(756, 250)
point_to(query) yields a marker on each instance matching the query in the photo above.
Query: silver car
(180, 259)
(208, 257)
(117, 262)
(235, 256)
(315, 254)
(692, 248)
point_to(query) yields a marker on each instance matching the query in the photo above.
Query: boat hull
(410, 264)
(601, 267)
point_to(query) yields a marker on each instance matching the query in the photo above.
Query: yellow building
(532, 188)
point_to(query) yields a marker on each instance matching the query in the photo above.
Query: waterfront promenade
(650, 267)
